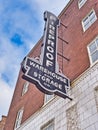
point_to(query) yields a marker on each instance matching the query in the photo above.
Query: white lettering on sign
(49, 56)
(50, 42)
(50, 49)
(47, 80)
(51, 37)
(49, 63)
(52, 27)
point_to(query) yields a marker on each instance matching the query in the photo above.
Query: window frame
(89, 53)
(48, 100)
(81, 5)
(25, 88)
(18, 118)
(89, 20)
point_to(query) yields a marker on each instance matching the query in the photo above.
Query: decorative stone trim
(90, 73)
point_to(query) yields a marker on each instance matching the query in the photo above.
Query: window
(93, 50)
(25, 88)
(48, 126)
(48, 97)
(89, 20)
(19, 118)
(81, 3)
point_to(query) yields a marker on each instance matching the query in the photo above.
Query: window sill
(92, 64)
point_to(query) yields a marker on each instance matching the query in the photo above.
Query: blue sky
(21, 26)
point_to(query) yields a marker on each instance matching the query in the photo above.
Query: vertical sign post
(49, 57)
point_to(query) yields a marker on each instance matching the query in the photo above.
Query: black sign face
(43, 72)
(50, 41)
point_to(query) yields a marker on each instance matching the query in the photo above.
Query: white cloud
(10, 59)
(13, 21)
(5, 97)
(51, 5)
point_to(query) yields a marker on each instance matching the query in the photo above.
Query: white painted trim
(79, 5)
(20, 111)
(86, 17)
(91, 63)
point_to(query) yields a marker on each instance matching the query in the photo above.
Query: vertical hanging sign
(50, 41)
(43, 73)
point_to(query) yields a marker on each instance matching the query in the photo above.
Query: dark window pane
(92, 47)
(95, 56)
(97, 42)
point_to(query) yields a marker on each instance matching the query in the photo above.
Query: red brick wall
(2, 122)
(75, 51)
(31, 102)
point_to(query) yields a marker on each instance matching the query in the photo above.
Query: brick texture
(2, 122)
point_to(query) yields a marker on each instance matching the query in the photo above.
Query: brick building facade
(2, 122)
(78, 59)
